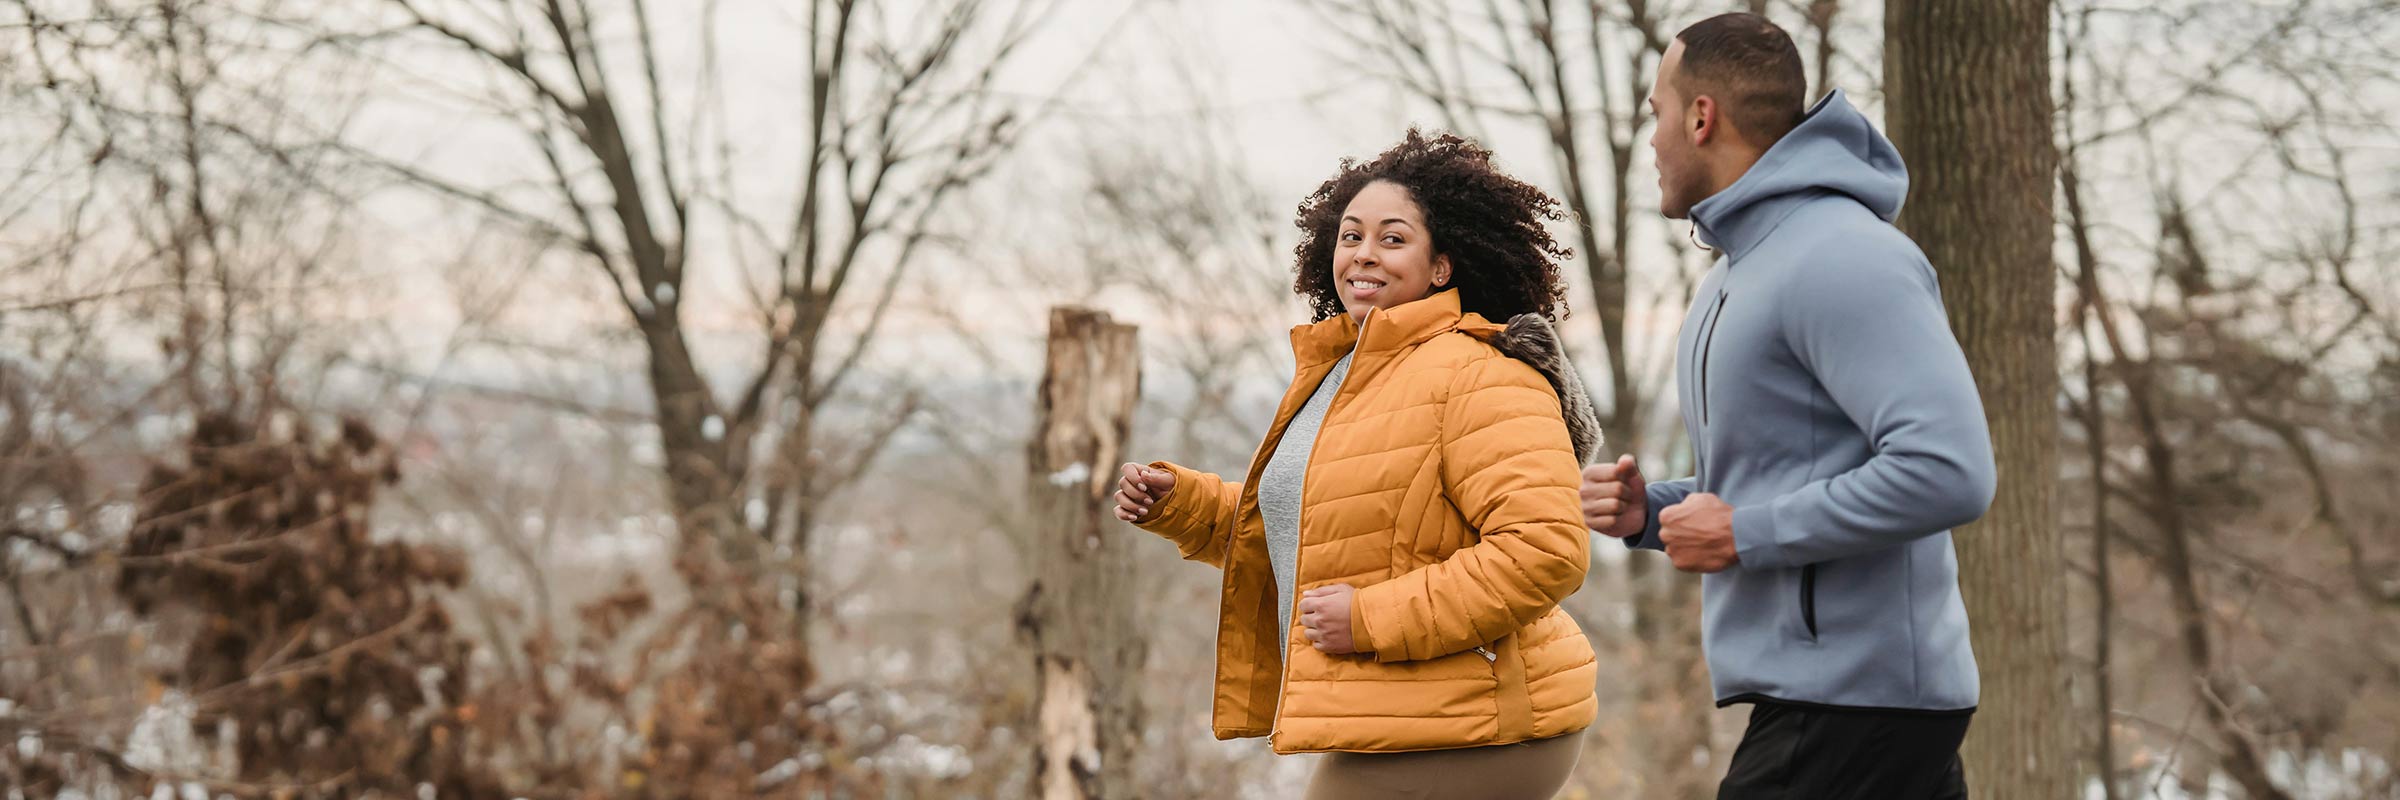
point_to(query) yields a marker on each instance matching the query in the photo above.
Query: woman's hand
(1325, 618)
(1141, 489)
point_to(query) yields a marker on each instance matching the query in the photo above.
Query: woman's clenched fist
(1140, 489)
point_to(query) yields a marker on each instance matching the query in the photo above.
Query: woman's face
(1383, 255)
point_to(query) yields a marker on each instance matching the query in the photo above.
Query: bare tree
(2217, 328)
(648, 183)
(202, 559)
(640, 174)
(2239, 753)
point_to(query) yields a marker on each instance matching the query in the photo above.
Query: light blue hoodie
(1829, 404)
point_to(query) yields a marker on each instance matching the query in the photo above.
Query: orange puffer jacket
(1444, 486)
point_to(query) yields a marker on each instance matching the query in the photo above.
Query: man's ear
(1707, 120)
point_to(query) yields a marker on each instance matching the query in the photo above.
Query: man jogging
(1837, 434)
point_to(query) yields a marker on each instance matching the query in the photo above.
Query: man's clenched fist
(1698, 533)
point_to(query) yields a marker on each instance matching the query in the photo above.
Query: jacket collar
(1387, 329)
(1529, 338)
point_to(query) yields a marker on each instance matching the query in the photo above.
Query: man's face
(1675, 140)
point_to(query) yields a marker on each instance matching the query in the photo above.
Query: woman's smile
(1363, 289)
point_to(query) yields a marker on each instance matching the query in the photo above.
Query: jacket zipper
(1708, 341)
(1300, 548)
(1808, 599)
(1487, 654)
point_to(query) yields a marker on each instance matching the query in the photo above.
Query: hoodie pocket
(1808, 600)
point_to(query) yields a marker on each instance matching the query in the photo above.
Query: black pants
(1813, 753)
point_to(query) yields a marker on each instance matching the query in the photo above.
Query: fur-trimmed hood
(1532, 339)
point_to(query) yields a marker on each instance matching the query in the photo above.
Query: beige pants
(1523, 771)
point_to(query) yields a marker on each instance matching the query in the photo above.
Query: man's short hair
(1752, 69)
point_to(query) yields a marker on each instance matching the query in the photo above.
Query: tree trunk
(1969, 84)
(1079, 615)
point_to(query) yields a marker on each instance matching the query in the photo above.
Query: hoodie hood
(1835, 150)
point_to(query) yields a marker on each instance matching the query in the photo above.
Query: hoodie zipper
(1708, 340)
(1300, 547)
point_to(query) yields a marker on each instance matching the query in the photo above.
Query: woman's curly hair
(1502, 260)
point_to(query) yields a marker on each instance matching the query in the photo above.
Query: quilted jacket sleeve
(1198, 516)
(1508, 466)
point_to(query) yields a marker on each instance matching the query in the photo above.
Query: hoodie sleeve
(1507, 464)
(1197, 515)
(1871, 328)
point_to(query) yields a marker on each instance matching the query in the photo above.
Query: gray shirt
(1279, 489)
